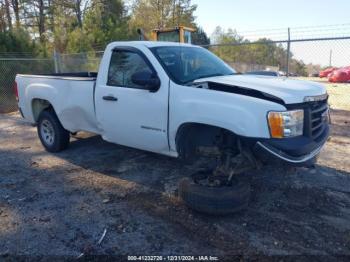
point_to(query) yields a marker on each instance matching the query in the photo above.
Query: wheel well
(191, 136)
(39, 105)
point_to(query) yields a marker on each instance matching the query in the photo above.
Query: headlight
(286, 124)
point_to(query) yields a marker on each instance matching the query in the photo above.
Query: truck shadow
(146, 168)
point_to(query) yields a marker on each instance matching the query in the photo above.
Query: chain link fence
(9, 68)
(300, 59)
(327, 52)
(59, 63)
(81, 62)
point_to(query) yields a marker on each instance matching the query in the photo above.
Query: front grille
(315, 120)
(318, 118)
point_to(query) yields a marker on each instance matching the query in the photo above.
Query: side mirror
(146, 79)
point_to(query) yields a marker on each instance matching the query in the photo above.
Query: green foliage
(64, 28)
(78, 42)
(104, 22)
(73, 26)
(39, 27)
(17, 41)
(200, 37)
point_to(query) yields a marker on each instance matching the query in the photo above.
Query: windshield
(186, 64)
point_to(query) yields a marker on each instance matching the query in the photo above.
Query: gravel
(61, 204)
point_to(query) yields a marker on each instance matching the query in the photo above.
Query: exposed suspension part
(231, 164)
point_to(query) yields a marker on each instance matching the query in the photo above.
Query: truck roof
(147, 44)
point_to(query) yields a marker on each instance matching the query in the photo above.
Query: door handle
(110, 98)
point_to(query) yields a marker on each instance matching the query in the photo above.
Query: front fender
(243, 115)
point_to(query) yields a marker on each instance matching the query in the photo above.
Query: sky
(271, 18)
(268, 14)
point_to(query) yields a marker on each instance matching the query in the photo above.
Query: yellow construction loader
(180, 34)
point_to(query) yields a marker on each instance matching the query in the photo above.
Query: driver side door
(129, 113)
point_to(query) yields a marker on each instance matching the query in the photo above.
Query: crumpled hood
(289, 90)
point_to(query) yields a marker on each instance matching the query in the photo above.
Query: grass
(339, 93)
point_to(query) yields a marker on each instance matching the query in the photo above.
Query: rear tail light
(15, 87)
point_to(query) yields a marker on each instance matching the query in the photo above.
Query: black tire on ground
(214, 200)
(52, 134)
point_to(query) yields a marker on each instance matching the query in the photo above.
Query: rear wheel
(52, 134)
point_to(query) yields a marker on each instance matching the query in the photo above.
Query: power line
(296, 31)
(305, 27)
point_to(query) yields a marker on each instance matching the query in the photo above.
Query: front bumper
(298, 151)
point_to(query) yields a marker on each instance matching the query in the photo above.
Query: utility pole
(56, 61)
(288, 52)
(330, 58)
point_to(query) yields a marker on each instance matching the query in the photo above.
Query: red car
(341, 75)
(327, 72)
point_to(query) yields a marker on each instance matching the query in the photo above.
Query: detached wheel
(51, 133)
(220, 200)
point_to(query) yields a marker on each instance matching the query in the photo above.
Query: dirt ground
(60, 204)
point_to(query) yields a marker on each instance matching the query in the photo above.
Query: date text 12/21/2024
(173, 258)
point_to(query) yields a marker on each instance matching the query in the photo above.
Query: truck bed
(71, 95)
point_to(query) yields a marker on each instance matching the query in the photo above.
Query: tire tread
(214, 200)
(62, 136)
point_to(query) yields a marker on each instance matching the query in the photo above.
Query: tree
(76, 7)
(236, 50)
(8, 14)
(3, 24)
(104, 21)
(16, 10)
(85, 25)
(35, 18)
(200, 37)
(18, 41)
(183, 13)
(228, 52)
(63, 22)
(151, 14)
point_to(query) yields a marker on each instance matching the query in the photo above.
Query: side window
(123, 65)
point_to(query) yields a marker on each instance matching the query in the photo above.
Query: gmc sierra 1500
(173, 99)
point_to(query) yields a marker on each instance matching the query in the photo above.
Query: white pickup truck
(174, 99)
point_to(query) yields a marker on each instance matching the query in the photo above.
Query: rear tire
(52, 134)
(221, 200)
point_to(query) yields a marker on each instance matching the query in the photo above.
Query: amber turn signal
(286, 124)
(276, 124)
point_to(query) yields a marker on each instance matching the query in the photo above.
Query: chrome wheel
(47, 132)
